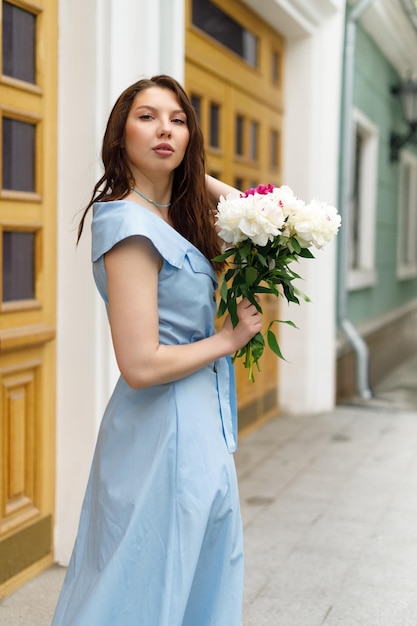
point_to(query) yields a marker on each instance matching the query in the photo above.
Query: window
(276, 67)
(407, 217)
(19, 51)
(214, 22)
(363, 203)
(274, 149)
(18, 265)
(196, 102)
(239, 184)
(239, 132)
(253, 140)
(18, 155)
(214, 134)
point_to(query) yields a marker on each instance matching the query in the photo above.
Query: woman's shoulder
(116, 220)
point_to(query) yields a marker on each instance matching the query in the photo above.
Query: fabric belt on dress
(227, 398)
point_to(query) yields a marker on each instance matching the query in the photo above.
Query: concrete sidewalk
(329, 504)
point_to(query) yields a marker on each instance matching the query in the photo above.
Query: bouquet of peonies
(268, 228)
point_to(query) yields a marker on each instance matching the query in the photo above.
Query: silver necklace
(142, 195)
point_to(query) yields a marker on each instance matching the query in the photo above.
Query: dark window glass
(224, 29)
(253, 141)
(275, 74)
(240, 123)
(18, 266)
(274, 149)
(354, 247)
(239, 183)
(196, 102)
(214, 125)
(19, 40)
(18, 155)
(406, 252)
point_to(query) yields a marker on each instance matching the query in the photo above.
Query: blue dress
(160, 538)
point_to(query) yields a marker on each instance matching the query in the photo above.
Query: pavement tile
(340, 537)
(369, 605)
(33, 604)
(285, 611)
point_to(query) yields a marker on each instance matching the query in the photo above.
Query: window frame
(408, 270)
(365, 274)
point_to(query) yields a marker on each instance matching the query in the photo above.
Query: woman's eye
(145, 116)
(178, 120)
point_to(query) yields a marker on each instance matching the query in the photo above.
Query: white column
(310, 156)
(104, 46)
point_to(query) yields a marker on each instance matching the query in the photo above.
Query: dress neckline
(163, 222)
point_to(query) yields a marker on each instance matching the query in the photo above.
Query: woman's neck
(155, 198)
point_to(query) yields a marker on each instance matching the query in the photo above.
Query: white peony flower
(313, 224)
(229, 214)
(258, 217)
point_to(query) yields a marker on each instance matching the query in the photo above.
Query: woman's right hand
(250, 323)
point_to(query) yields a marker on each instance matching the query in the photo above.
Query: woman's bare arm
(132, 270)
(217, 188)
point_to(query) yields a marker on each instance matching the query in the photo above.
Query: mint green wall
(374, 77)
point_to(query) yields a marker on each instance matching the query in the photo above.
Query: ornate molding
(391, 29)
(25, 336)
(295, 18)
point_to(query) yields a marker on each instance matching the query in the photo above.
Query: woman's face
(156, 132)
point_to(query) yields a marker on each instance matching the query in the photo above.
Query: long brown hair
(192, 210)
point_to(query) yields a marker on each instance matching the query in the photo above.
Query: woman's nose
(164, 128)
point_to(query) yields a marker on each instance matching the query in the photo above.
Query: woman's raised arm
(217, 188)
(132, 271)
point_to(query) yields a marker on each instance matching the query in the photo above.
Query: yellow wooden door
(234, 78)
(28, 173)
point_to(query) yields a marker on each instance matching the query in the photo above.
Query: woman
(159, 541)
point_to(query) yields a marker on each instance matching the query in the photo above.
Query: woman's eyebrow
(145, 106)
(155, 110)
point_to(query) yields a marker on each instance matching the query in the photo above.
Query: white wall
(313, 71)
(311, 150)
(104, 46)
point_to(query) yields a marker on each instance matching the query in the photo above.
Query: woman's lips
(163, 149)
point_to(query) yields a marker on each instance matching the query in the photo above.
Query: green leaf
(251, 297)
(251, 274)
(262, 260)
(222, 308)
(289, 294)
(273, 344)
(229, 274)
(257, 345)
(226, 254)
(257, 351)
(306, 253)
(289, 322)
(223, 290)
(244, 290)
(296, 246)
(233, 312)
(261, 289)
(302, 295)
(246, 248)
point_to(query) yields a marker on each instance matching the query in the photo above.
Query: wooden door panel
(248, 150)
(28, 115)
(19, 388)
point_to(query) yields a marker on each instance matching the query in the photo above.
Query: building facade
(270, 111)
(378, 279)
